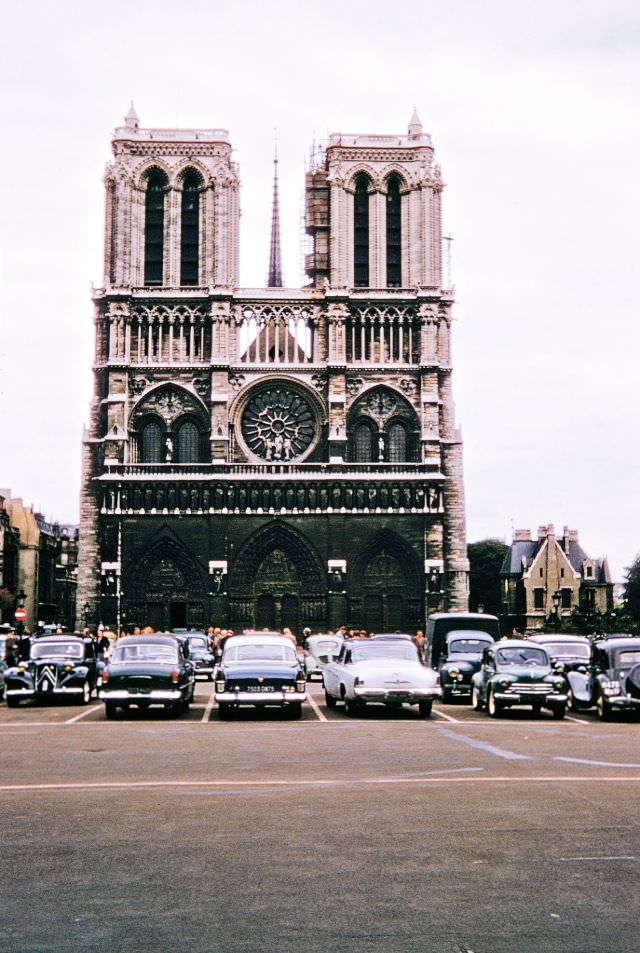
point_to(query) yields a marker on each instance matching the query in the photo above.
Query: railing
(223, 469)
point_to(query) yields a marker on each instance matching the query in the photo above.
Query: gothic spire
(274, 279)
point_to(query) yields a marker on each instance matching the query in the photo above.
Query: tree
(632, 590)
(485, 561)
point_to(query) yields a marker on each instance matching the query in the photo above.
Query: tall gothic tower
(287, 457)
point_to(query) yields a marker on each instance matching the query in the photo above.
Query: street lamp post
(555, 598)
(20, 596)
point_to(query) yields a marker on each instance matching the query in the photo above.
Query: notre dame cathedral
(281, 457)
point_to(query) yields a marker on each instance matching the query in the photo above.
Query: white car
(383, 670)
(320, 650)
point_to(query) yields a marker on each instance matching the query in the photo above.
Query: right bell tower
(373, 217)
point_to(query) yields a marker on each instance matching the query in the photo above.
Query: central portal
(277, 592)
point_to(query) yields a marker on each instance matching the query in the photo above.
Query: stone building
(40, 559)
(550, 578)
(282, 456)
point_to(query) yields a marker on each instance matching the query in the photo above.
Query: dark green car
(517, 672)
(148, 670)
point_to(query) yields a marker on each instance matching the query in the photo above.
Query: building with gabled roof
(551, 578)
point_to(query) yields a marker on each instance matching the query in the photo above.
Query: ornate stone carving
(354, 386)
(237, 381)
(409, 387)
(202, 386)
(380, 405)
(137, 386)
(319, 381)
(278, 423)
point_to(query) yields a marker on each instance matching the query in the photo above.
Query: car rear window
(267, 653)
(146, 652)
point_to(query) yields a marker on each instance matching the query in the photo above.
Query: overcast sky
(534, 113)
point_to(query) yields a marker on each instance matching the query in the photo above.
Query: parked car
(148, 670)
(201, 654)
(441, 623)
(58, 666)
(459, 660)
(383, 670)
(516, 672)
(611, 681)
(570, 651)
(319, 650)
(260, 669)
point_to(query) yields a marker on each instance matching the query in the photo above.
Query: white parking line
(316, 707)
(597, 764)
(313, 782)
(207, 712)
(441, 714)
(573, 859)
(83, 714)
(577, 721)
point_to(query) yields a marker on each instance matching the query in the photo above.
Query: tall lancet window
(154, 228)
(394, 237)
(190, 230)
(361, 233)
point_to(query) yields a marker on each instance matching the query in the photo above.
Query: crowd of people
(17, 644)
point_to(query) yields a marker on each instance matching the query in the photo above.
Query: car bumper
(548, 699)
(31, 692)
(623, 702)
(390, 696)
(260, 698)
(204, 671)
(457, 688)
(158, 695)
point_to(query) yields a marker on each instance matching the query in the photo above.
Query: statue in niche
(301, 498)
(253, 497)
(168, 450)
(217, 581)
(242, 498)
(380, 447)
(290, 498)
(277, 497)
(324, 498)
(218, 497)
(433, 498)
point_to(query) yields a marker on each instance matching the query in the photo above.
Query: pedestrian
(419, 643)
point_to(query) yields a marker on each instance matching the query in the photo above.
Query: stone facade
(534, 571)
(288, 456)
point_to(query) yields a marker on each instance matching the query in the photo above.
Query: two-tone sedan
(611, 681)
(59, 666)
(260, 669)
(386, 670)
(518, 672)
(148, 670)
(459, 661)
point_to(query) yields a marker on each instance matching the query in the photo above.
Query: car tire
(109, 710)
(329, 700)
(573, 704)
(536, 707)
(558, 711)
(603, 708)
(446, 696)
(354, 708)
(294, 710)
(85, 697)
(476, 699)
(424, 707)
(224, 711)
(12, 701)
(493, 707)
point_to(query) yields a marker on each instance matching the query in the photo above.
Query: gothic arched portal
(164, 588)
(386, 586)
(277, 581)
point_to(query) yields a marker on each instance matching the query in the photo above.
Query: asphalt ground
(388, 832)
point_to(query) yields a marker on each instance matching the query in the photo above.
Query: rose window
(278, 424)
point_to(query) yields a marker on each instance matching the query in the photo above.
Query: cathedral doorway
(386, 590)
(277, 592)
(164, 590)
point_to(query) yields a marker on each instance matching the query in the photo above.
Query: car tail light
(358, 682)
(301, 682)
(220, 683)
(105, 676)
(175, 675)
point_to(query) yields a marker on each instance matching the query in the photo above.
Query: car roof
(618, 641)
(270, 638)
(544, 637)
(515, 644)
(392, 635)
(470, 634)
(158, 638)
(61, 637)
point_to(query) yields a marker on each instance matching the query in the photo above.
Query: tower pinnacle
(131, 120)
(415, 126)
(274, 278)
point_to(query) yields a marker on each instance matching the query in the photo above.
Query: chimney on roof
(522, 536)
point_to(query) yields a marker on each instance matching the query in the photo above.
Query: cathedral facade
(282, 457)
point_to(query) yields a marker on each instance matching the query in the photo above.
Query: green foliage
(485, 561)
(632, 590)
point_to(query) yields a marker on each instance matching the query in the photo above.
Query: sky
(533, 109)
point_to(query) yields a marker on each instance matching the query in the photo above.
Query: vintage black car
(200, 653)
(148, 670)
(517, 672)
(459, 660)
(59, 666)
(260, 668)
(570, 651)
(611, 681)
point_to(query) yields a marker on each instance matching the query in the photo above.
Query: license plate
(260, 688)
